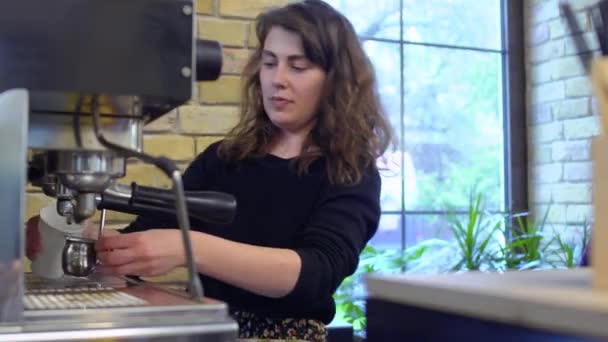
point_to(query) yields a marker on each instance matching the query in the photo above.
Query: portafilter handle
(207, 206)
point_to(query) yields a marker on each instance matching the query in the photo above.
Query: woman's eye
(268, 64)
(299, 67)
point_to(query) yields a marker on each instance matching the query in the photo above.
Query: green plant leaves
(482, 241)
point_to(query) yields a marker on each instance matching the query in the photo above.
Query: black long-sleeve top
(326, 225)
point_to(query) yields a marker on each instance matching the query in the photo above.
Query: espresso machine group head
(78, 80)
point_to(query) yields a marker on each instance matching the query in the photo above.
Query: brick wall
(562, 117)
(189, 129)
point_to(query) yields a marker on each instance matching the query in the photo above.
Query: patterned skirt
(252, 327)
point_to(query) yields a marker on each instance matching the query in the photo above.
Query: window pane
(432, 247)
(473, 23)
(420, 227)
(379, 21)
(389, 234)
(385, 58)
(454, 127)
(429, 244)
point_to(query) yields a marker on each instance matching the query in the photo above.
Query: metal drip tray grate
(79, 298)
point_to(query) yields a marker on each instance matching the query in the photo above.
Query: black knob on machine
(208, 60)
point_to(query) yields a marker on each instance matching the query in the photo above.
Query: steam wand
(171, 170)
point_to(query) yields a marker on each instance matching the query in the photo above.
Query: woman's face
(291, 84)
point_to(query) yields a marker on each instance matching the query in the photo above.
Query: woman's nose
(279, 78)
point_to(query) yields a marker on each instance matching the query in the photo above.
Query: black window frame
(513, 106)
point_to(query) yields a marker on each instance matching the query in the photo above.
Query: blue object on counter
(387, 321)
(585, 257)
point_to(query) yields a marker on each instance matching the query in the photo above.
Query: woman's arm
(271, 272)
(324, 253)
(247, 266)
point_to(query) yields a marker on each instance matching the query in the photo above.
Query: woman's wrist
(198, 246)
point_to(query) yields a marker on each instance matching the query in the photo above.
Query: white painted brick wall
(547, 173)
(562, 117)
(578, 171)
(548, 132)
(571, 108)
(573, 150)
(541, 153)
(578, 87)
(548, 92)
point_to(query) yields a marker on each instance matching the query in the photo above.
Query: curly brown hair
(351, 130)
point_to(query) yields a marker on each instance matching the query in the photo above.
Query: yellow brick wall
(188, 130)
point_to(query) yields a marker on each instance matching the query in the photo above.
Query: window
(440, 66)
(442, 69)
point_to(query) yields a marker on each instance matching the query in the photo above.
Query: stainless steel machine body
(71, 70)
(79, 309)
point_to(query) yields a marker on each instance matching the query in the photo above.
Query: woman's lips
(279, 103)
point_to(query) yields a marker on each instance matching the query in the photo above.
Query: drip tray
(79, 298)
(119, 307)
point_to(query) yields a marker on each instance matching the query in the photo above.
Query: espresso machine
(78, 80)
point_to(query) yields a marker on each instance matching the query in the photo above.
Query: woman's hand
(150, 253)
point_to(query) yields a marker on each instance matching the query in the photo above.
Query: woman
(301, 164)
